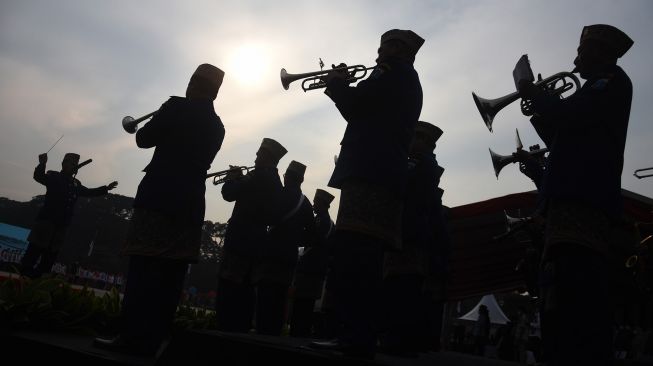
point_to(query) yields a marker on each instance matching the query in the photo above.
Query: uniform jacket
(422, 204)
(257, 196)
(61, 195)
(186, 135)
(381, 114)
(586, 137)
(315, 259)
(421, 220)
(292, 232)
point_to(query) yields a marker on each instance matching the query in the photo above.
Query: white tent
(496, 314)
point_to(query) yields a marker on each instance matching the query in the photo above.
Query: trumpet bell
(557, 84)
(500, 161)
(129, 124)
(490, 107)
(511, 222)
(285, 80)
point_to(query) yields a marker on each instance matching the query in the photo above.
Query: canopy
(496, 314)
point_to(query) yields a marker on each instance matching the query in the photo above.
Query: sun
(248, 64)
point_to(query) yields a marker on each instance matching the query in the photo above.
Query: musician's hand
(234, 172)
(336, 74)
(112, 185)
(43, 158)
(522, 155)
(528, 90)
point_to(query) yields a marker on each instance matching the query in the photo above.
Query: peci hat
(410, 38)
(322, 195)
(296, 167)
(210, 73)
(612, 36)
(428, 129)
(72, 157)
(274, 148)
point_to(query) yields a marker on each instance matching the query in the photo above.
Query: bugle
(221, 176)
(131, 125)
(640, 250)
(313, 80)
(513, 225)
(638, 172)
(500, 161)
(556, 84)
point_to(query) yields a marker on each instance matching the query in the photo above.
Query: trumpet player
(166, 227)
(256, 196)
(421, 258)
(274, 271)
(381, 113)
(586, 137)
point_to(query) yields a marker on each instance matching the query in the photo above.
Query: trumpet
(221, 176)
(556, 84)
(313, 80)
(131, 125)
(500, 161)
(638, 173)
(513, 225)
(640, 250)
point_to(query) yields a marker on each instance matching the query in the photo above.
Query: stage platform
(212, 348)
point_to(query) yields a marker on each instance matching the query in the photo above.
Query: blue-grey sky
(78, 67)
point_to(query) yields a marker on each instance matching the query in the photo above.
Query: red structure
(479, 265)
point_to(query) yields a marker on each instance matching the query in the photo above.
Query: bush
(50, 303)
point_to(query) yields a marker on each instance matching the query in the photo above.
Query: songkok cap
(72, 157)
(211, 73)
(612, 36)
(274, 148)
(296, 167)
(428, 129)
(322, 195)
(410, 38)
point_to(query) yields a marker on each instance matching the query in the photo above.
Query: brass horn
(640, 250)
(221, 176)
(490, 107)
(500, 161)
(513, 225)
(131, 125)
(313, 80)
(638, 172)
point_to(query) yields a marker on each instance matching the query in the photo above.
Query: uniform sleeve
(532, 169)
(91, 192)
(233, 189)
(367, 94)
(156, 129)
(544, 129)
(39, 174)
(588, 105)
(309, 233)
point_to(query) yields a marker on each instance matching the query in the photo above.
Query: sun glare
(248, 64)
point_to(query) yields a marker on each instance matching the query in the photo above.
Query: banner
(13, 243)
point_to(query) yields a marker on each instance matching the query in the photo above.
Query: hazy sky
(78, 67)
